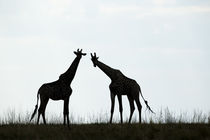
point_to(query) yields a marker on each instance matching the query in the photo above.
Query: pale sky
(163, 44)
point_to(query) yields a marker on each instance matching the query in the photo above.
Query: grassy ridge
(106, 131)
(163, 125)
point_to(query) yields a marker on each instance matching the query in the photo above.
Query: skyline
(163, 45)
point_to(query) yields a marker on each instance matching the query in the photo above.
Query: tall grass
(164, 125)
(164, 116)
(167, 116)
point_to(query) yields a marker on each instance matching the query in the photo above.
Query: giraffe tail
(145, 101)
(36, 106)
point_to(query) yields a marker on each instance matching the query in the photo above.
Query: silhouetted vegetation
(106, 131)
(163, 125)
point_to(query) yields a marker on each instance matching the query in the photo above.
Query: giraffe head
(94, 59)
(79, 53)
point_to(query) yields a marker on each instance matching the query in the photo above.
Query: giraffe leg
(41, 110)
(64, 115)
(120, 107)
(38, 117)
(132, 107)
(139, 108)
(43, 116)
(112, 106)
(64, 119)
(44, 108)
(66, 111)
(68, 120)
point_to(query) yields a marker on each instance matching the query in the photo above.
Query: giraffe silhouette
(121, 85)
(58, 90)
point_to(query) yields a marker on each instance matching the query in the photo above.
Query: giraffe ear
(75, 52)
(91, 54)
(97, 58)
(84, 54)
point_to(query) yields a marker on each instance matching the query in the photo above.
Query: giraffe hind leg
(39, 113)
(38, 118)
(44, 108)
(132, 107)
(139, 108)
(41, 110)
(43, 116)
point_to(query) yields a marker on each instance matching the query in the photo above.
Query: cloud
(164, 2)
(172, 51)
(42, 10)
(141, 12)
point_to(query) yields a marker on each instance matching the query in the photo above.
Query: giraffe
(121, 85)
(58, 90)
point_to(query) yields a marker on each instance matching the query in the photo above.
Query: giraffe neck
(68, 76)
(110, 72)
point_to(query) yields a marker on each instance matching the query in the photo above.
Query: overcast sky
(163, 44)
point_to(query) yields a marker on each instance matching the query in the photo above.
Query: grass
(162, 126)
(106, 131)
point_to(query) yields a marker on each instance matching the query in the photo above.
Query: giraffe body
(58, 90)
(124, 86)
(51, 90)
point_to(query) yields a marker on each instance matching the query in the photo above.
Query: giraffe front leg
(120, 107)
(64, 114)
(112, 106)
(66, 111)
